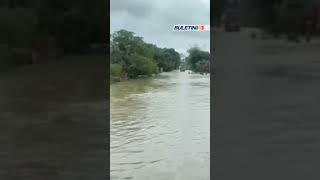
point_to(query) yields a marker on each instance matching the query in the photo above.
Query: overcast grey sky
(154, 19)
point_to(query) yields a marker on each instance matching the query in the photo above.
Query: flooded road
(160, 128)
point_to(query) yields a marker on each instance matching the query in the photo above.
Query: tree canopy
(198, 60)
(136, 57)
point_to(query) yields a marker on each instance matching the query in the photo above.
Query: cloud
(136, 8)
(154, 20)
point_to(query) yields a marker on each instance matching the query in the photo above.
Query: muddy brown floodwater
(160, 128)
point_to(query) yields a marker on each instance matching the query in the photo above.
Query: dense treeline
(198, 60)
(131, 57)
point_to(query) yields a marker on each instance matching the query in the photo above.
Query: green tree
(198, 60)
(141, 66)
(125, 44)
(138, 57)
(167, 59)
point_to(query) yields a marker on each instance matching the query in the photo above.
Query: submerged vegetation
(131, 57)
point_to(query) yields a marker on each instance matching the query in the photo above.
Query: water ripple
(157, 123)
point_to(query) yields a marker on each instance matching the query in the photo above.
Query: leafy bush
(141, 65)
(198, 60)
(115, 70)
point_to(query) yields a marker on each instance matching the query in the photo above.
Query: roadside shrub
(115, 70)
(141, 65)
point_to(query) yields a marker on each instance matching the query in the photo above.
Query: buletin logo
(191, 28)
